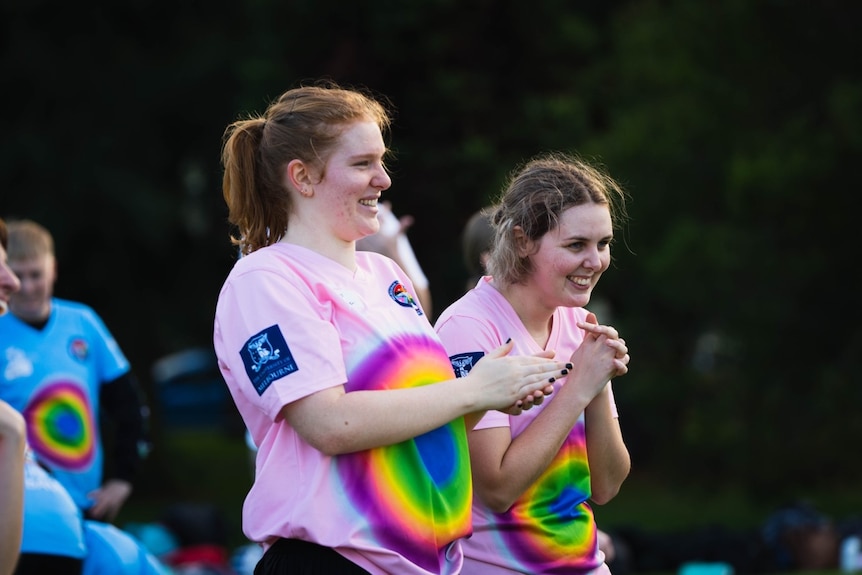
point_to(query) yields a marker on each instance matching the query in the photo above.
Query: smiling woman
(535, 474)
(347, 392)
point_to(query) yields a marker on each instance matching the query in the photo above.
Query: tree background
(735, 126)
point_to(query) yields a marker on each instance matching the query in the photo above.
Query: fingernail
(508, 340)
(569, 366)
(518, 404)
(552, 379)
(565, 371)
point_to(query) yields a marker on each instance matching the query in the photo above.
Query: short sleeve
(275, 340)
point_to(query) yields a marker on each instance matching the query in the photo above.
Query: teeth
(369, 203)
(581, 281)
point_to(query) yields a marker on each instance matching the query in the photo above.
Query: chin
(578, 301)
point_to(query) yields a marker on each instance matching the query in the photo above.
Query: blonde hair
(28, 240)
(535, 196)
(304, 123)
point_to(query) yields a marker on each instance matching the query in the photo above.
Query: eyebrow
(586, 239)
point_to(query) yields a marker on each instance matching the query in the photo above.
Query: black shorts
(41, 563)
(297, 557)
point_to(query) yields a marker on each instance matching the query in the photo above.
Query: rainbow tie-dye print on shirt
(416, 495)
(61, 428)
(551, 529)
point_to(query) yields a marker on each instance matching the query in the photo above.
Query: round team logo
(399, 293)
(79, 349)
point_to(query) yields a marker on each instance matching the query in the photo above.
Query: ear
(298, 177)
(522, 243)
(54, 267)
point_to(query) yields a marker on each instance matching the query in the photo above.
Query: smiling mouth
(579, 281)
(372, 203)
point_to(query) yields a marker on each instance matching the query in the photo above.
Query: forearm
(609, 458)
(336, 422)
(12, 448)
(121, 400)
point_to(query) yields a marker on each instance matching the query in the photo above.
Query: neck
(536, 317)
(337, 250)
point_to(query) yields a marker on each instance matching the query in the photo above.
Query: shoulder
(72, 306)
(276, 265)
(75, 311)
(470, 317)
(479, 303)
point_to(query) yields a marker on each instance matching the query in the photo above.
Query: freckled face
(571, 258)
(9, 283)
(354, 178)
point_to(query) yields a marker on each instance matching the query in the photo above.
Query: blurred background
(735, 126)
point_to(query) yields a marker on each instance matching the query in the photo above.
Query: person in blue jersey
(57, 539)
(61, 368)
(53, 533)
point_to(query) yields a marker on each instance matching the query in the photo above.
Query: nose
(9, 282)
(382, 180)
(593, 259)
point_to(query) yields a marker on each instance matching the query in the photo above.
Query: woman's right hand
(602, 356)
(514, 382)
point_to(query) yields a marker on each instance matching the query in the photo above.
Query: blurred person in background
(534, 474)
(62, 369)
(477, 238)
(42, 530)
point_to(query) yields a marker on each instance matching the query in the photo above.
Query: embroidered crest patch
(266, 358)
(464, 362)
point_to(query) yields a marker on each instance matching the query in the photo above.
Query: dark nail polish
(565, 372)
(552, 379)
(508, 340)
(569, 366)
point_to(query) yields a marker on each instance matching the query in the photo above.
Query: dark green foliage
(734, 125)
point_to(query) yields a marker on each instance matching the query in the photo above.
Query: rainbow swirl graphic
(551, 526)
(417, 494)
(60, 426)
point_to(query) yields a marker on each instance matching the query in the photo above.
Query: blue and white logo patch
(464, 362)
(266, 358)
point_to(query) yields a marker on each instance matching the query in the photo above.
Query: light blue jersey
(53, 376)
(52, 522)
(112, 551)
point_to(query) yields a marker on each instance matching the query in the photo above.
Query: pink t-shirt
(290, 322)
(550, 528)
